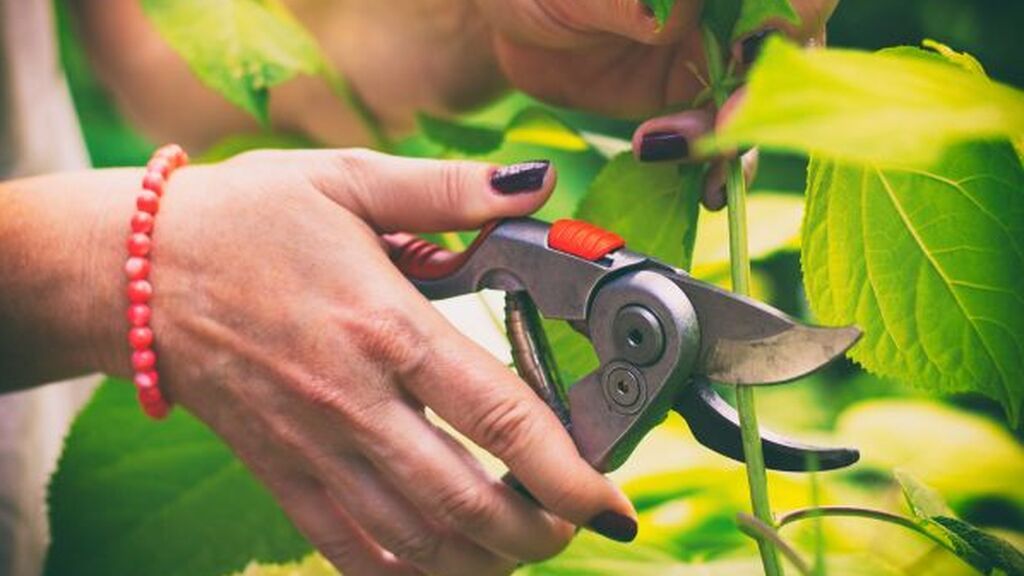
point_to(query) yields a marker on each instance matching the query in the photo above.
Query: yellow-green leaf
(889, 108)
(240, 48)
(542, 128)
(928, 263)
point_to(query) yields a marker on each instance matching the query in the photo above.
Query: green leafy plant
(912, 229)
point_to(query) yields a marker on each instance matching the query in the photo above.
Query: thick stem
(739, 255)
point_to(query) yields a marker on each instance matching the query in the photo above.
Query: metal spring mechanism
(531, 353)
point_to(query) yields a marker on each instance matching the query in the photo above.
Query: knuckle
(468, 507)
(347, 173)
(339, 551)
(415, 546)
(389, 340)
(506, 428)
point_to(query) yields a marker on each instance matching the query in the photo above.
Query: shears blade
(745, 342)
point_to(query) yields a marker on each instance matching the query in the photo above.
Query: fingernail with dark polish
(614, 526)
(751, 47)
(660, 146)
(520, 178)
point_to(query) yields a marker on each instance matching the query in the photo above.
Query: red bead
(147, 381)
(148, 201)
(172, 152)
(157, 409)
(153, 182)
(140, 338)
(143, 360)
(139, 314)
(137, 268)
(139, 244)
(160, 165)
(142, 222)
(139, 291)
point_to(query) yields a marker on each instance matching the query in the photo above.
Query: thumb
(392, 193)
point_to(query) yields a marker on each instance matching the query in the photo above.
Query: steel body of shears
(661, 336)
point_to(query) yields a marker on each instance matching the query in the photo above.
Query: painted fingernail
(750, 49)
(520, 178)
(661, 146)
(614, 526)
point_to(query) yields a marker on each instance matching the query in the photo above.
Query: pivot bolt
(638, 335)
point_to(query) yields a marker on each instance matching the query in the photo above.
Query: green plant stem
(739, 256)
(856, 512)
(755, 528)
(877, 515)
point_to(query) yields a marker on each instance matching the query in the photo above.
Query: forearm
(61, 286)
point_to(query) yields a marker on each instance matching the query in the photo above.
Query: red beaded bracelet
(140, 291)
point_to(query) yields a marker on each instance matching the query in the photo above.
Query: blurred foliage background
(688, 497)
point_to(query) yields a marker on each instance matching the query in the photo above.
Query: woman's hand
(282, 324)
(610, 56)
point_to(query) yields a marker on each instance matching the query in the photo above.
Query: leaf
(168, 499)
(981, 550)
(755, 13)
(532, 125)
(998, 553)
(923, 500)
(542, 128)
(928, 264)
(459, 137)
(720, 17)
(889, 108)
(654, 208)
(775, 220)
(661, 8)
(962, 59)
(239, 48)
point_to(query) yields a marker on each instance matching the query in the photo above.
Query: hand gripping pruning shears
(661, 336)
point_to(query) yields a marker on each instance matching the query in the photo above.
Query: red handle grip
(421, 259)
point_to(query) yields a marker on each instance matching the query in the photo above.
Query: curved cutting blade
(746, 342)
(715, 424)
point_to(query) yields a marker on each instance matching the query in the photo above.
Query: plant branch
(857, 512)
(758, 530)
(739, 256)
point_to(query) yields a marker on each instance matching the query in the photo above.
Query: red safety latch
(583, 239)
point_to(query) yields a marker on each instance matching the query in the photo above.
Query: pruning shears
(661, 336)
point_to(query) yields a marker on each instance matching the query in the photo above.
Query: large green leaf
(928, 263)
(890, 108)
(654, 207)
(240, 48)
(131, 496)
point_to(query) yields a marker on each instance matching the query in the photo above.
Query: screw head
(638, 335)
(624, 388)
